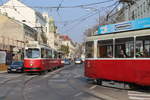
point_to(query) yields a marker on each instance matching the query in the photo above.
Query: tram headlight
(31, 64)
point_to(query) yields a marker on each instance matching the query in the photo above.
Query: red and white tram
(122, 56)
(40, 58)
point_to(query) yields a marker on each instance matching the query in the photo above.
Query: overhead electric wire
(80, 18)
(116, 5)
(86, 17)
(76, 6)
(60, 5)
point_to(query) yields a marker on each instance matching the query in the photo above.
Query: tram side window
(55, 54)
(143, 47)
(124, 48)
(105, 49)
(43, 53)
(89, 49)
(49, 54)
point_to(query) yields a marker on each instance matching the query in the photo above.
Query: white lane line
(98, 94)
(77, 76)
(138, 98)
(135, 92)
(78, 94)
(135, 95)
(93, 87)
(145, 95)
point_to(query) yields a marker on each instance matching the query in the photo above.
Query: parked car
(78, 61)
(67, 61)
(16, 66)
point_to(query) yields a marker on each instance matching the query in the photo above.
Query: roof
(65, 37)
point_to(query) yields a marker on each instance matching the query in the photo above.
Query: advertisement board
(125, 26)
(2, 57)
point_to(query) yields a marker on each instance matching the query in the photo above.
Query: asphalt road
(67, 83)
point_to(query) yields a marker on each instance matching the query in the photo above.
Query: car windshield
(32, 53)
(78, 59)
(17, 63)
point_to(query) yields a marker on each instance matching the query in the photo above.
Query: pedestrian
(122, 54)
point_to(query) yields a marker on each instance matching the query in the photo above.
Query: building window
(144, 8)
(138, 12)
(133, 16)
(141, 7)
(148, 4)
(23, 20)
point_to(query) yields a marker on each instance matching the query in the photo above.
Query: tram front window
(32, 53)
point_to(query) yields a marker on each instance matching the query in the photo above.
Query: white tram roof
(127, 34)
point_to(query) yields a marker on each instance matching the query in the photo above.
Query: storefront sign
(2, 57)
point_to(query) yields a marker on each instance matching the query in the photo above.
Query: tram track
(44, 76)
(79, 90)
(22, 78)
(8, 80)
(25, 97)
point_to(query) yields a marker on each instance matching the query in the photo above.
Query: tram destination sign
(124, 26)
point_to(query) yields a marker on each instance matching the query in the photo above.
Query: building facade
(139, 9)
(70, 44)
(13, 37)
(17, 10)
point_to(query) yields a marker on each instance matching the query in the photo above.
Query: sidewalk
(3, 71)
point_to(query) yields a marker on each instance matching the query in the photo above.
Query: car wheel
(8, 71)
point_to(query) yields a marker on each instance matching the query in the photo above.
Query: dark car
(16, 66)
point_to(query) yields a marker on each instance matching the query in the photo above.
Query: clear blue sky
(73, 29)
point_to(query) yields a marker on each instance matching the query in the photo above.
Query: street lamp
(93, 9)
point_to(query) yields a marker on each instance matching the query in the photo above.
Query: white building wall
(50, 35)
(22, 13)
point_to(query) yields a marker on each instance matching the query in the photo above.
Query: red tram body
(37, 59)
(122, 56)
(132, 71)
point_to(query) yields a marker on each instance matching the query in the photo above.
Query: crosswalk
(136, 95)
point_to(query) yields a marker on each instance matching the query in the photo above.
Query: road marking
(57, 80)
(77, 76)
(135, 95)
(100, 95)
(147, 95)
(56, 71)
(139, 98)
(78, 94)
(137, 92)
(92, 87)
